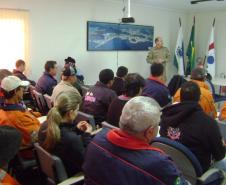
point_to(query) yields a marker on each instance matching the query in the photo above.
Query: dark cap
(68, 71)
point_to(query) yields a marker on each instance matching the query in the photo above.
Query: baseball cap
(68, 71)
(10, 83)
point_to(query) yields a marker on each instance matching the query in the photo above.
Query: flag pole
(180, 21)
(214, 20)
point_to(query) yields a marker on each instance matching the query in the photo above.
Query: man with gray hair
(124, 156)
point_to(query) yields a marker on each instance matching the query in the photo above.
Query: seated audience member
(61, 137)
(98, 98)
(222, 116)
(10, 139)
(134, 84)
(66, 84)
(13, 113)
(3, 73)
(47, 82)
(20, 68)
(155, 87)
(126, 153)
(186, 123)
(206, 99)
(69, 61)
(175, 83)
(118, 85)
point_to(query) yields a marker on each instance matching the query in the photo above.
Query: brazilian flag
(191, 51)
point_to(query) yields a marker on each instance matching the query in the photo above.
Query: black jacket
(97, 101)
(21, 76)
(188, 124)
(70, 148)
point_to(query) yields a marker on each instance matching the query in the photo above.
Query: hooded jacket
(188, 124)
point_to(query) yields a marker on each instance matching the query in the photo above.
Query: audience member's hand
(84, 126)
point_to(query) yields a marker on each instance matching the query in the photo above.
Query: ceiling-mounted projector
(128, 19)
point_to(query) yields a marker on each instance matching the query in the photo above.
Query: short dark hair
(19, 63)
(10, 94)
(4, 73)
(156, 39)
(69, 60)
(122, 71)
(10, 141)
(198, 74)
(190, 91)
(106, 75)
(49, 64)
(133, 83)
(157, 69)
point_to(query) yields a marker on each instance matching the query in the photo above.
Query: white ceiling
(183, 4)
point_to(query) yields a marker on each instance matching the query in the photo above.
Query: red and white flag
(211, 60)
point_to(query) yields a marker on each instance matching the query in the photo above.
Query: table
(219, 81)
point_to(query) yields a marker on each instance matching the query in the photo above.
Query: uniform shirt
(206, 101)
(63, 86)
(45, 84)
(223, 112)
(187, 123)
(115, 110)
(70, 148)
(97, 100)
(25, 121)
(157, 90)
(115, 157)
(21, 76)
(158, 53)
(118, 86)
(6, 179)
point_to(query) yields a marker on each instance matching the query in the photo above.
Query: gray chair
(53, 168)
(187, 163)
(85, 117)
(107, 125)
(48, 101)
(40, 102)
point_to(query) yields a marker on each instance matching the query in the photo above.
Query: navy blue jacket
(45, 84)
(97, 101)
(21, 76)
(157, 90)
(116, 158)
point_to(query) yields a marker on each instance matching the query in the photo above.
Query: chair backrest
(48, 101)
(107, 125)
(40, 102)
(50, 165)
(222, 126)
(185, 160)
(85, 117)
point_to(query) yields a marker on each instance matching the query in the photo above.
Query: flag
(179, 52)
(211, 62)
(191, 51)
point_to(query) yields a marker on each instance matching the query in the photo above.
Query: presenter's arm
(167, 55)
(149, 58)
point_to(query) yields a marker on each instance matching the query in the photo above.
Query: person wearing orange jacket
(10, 140)
(13, 113)
(206, 99)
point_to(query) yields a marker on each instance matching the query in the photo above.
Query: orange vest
(6, 179)
(206, 101)
(201, 84)
(25, 121)
(223, 112)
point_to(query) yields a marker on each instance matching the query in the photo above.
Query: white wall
(58, 30)
(204, 22)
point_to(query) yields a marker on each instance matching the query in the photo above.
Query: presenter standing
(159, 54)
